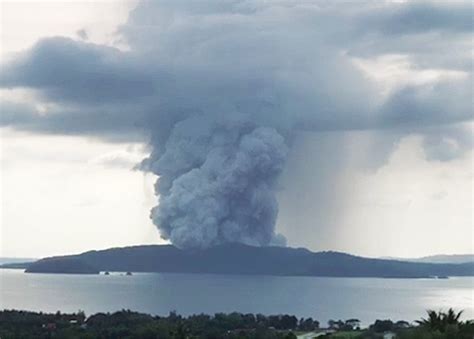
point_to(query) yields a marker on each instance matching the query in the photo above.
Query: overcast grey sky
(374, 100)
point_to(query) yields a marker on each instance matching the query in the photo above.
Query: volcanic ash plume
(217, 183)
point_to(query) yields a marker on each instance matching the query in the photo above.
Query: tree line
(130, 325)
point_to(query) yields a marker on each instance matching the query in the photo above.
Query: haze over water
(159, 293)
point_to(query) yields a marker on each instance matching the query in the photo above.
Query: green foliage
(440, 321)
(381, 326)
(438, 325)
(348, 335)
(130, 325)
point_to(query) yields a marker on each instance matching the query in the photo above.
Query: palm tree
(434, 320)
(439, 320)
(451, 317)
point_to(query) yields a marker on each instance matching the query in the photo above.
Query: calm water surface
(159, 293)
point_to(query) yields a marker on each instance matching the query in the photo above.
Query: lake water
(159, 293)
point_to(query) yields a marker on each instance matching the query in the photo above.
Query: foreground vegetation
(127, 324)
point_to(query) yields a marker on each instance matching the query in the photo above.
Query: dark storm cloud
(443, 103)
(434, 34)
(110, 123)
(421, 17)
(222, 88)
(66, 70)
(271, 61)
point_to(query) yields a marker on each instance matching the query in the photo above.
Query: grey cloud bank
(221, 89)
(71, 71)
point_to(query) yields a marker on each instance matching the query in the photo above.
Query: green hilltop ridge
(70, 265)
(243, 259)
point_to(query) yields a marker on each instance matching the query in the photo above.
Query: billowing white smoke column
(217, 183)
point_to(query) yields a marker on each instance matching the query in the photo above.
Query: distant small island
(242, 259)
